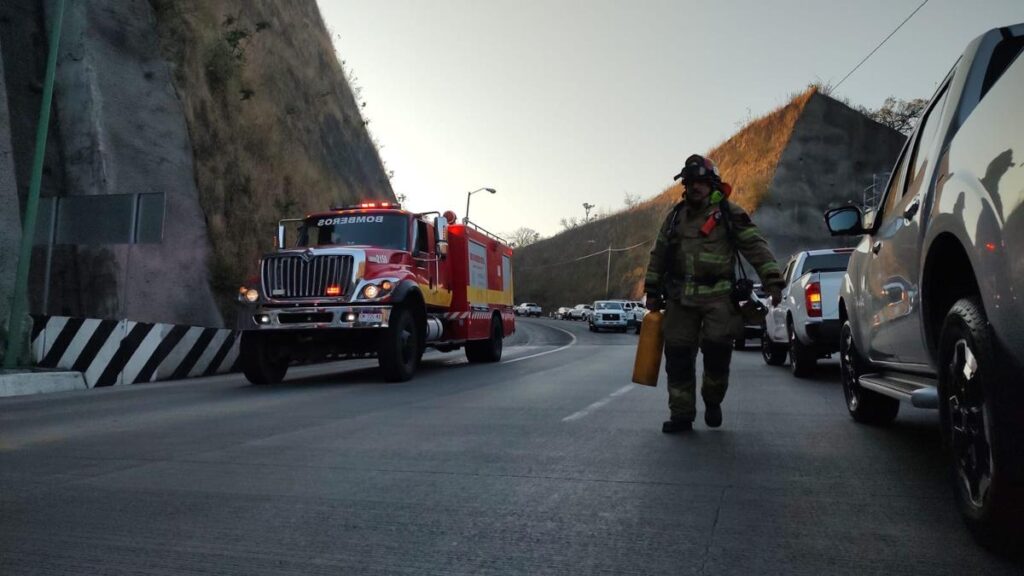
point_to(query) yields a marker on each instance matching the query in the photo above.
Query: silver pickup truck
(932, 304)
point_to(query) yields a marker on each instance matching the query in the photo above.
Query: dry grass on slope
(748, 159)
(274, 126)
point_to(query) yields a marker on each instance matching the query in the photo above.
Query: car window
(925, 145)
(789, 271)
(894, 192)
(833, 262)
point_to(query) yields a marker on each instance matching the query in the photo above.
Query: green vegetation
(275, 128)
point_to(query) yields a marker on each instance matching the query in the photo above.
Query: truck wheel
(773, 354)
(865, 406)
(399, 349)
(489, 350)
(262, 362)
(977, 429)
(802, 359)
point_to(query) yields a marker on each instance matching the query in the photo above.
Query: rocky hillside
(236, 111)
(786, 167)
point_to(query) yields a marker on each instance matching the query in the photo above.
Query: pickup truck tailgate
(830, 285)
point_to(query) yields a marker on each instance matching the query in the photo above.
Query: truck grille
(610, 317)
(297, 277)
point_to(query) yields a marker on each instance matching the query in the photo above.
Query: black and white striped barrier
(115, 352)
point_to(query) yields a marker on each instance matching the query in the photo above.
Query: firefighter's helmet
(698, 168)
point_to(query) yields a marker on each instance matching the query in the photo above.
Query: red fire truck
(373, 279)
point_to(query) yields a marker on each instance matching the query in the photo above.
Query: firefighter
(692, 275)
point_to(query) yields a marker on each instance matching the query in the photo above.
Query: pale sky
(556, 103)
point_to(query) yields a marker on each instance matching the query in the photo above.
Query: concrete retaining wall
(118, 352)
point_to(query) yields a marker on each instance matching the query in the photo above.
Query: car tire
(978, 424)
(489, 350)
(773, 354)
(399, 349)
(802, 359)
(262, 361)
(592, 327)
(865, 406)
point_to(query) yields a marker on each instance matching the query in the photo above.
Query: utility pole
(19, 300)
(608, 273)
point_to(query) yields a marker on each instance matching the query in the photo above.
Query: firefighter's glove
(655, 303)
(776, 294)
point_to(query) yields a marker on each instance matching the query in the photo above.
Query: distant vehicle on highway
(932, 305)
(528, 309)
(752, 330)
(806, 323)
(608, 315)
(635, 312)
(580, 312)
(562, 312)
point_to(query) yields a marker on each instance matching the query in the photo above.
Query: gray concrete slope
(543, 464)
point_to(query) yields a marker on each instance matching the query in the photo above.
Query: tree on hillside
(900, 115)
(571, 222)
(631, 200)
(522, 236)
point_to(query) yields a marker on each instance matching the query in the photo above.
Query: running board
(921, 391)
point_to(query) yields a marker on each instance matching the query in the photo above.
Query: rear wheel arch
(947, 276)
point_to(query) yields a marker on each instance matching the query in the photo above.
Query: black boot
(673, 426)
(713, 415)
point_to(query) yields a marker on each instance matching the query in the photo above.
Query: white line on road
(571, 335)
(597, 405)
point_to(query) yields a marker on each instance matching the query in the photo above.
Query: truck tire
(865, 406)
(262, 362)
(773, 354)
(977, 428)
(802, 359)
(489, 350)
(399, 350)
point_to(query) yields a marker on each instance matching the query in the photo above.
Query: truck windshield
(389, 231)
(835, 262)
(609, 306)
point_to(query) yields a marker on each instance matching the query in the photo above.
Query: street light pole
(608, 273)
(465, 219)
(587, 206)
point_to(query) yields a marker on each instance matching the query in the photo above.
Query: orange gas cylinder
(648, 351)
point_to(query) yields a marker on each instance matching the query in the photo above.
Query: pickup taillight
(812, 297)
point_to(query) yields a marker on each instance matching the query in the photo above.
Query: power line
(880, 44)
(598, 253)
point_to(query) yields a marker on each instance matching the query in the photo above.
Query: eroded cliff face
(236, 111)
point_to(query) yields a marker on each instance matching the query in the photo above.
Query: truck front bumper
(320, 317)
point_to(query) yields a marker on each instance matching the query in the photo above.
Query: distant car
(608, 314)
(635, 312)
(932, 304)
(562, 313)
(580, 312)
(806, 323)
(527, 309)
(752, 330)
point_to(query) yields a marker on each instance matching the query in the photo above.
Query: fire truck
(375, 280)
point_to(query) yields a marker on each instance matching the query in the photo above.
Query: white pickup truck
(805, 325)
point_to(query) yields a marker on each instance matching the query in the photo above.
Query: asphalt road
(551, 462)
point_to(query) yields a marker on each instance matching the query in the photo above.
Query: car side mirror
(845, 221)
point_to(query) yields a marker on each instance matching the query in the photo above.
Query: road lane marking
(598, 405)
(570, 344)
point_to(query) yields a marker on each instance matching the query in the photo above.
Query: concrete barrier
(118, 352)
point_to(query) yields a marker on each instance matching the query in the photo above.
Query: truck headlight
(252, 295)
(371, 291)
(376, 290)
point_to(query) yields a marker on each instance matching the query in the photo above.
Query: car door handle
(876, 247)
(911, 210)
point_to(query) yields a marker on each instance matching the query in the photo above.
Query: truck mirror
(441, 235)
(845, 221)
(280, 235)
(442, 249)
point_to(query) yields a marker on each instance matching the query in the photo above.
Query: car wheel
(773, 354)
(865, 406)
(978, 431)
(801, 359)
(399, 349)
(262, 361)
(489, 350)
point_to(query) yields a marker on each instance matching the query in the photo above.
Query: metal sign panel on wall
(101, 219)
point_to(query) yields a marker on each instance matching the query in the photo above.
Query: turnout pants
(707, 326)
